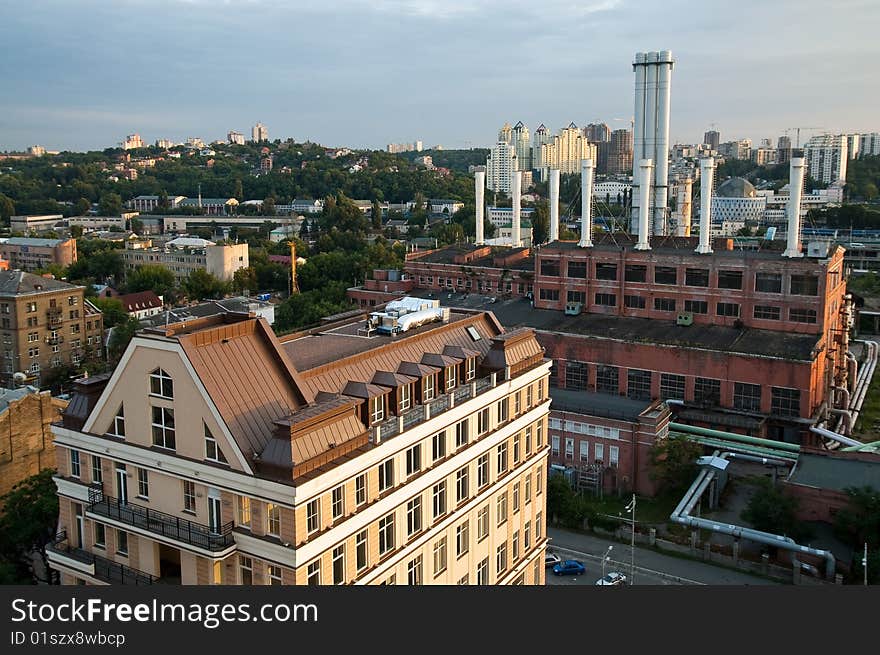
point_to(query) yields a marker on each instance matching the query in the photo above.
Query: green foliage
(151, 277)
(97, 261)
(863, 178)
(673, 463)
(849, 216)
(82, 207)
(114, 312)
(541, 223)
(120, 336)
(110, 204)
(201, 285)
(7, 208)
(307, 308)
(27, 524)
(859, 521)
(269, 206)
(245, 280)
(771, 510)
(866, 284)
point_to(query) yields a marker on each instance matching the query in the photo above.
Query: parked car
(612, 579)
(551, 559)
(569, 567)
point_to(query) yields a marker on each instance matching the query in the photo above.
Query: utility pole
(865, 564)
(631, 509)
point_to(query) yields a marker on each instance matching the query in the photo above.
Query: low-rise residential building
(142, 304)
(31, 253)
(185, 254)
(442, 206)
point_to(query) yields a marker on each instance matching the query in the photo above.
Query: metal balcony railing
(160, 523)
(105, 569)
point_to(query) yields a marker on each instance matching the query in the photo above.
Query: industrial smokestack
(645, 166)
(554, 204)
(707, 176)
(586, 204)
(516, 192)
(650, 130)
(638, 135)
(661, 141)
(795, 190)
(479, 190)
(683, 202)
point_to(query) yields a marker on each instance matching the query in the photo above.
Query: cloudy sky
(81, 74)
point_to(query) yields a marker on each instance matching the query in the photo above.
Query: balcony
(54, 341)
(162, 524)
(61, 552)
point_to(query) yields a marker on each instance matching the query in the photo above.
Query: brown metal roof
(416, 369)
(436, 359)
(363, 390)
(393, 380)
(512, 348)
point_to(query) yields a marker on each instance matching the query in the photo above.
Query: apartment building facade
(31, 254)
(417, 459)
(219, 260)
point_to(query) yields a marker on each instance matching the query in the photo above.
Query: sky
(81, 74)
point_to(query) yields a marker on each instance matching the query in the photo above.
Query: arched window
(161, 384)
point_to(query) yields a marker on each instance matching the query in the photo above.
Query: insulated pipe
(479, 190)
(796, 187)
(836, 436)
(707, 176)
(554, 205)
(761, 460)
(845, 392)
(586, 204)
(661, 155)
(852, 369)
(683, 207)
(643, 243)
(862, 446)
(639, 68)
(647, 198)
(734, 446)
(758, 441)
(516, 194)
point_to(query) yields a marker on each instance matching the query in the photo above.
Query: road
(651, 567)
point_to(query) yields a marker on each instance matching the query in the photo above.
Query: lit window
(244, 512)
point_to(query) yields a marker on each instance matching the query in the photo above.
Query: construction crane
(798, 133)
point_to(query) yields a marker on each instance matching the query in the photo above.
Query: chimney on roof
(554, 205)
(795, 189)
(586, 203)
(707, 177)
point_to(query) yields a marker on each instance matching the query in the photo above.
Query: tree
(200, 285)
(859, 521)
(110, 204)
(27, 524)
(269, 206)
(164, 205)
(771, 510)
(238, 194)
(114, 312)
(541, 223)
(76, 231)
(82, 207)
(7, 208)
(674, 463)
(120, 336)
(376, 215)
(151, 277)
(245, 280)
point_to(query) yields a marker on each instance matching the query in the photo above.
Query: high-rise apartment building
(506, 133)
(597, 133)
(826, 156)
(741, 149)
(853, 141)
(539, 138)
(566, 150)
(132, 142)
(869, 144)
(712, 138)
(500, 166)
(259, 133)
(620, 153)
(234, 137)
(522, 145)
(783, 149)
(413, 458)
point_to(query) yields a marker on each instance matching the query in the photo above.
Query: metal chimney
(516, 193)
(645, 170)
(650, 130)
(479, 190)
(639, 68)
(554, 204)
(683, 203)
(586, 204)
(796, 188)
(707, 177)
(661, 147)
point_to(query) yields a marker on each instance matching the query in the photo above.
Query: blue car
(569, 567)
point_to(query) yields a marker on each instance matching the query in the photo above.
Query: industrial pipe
(661, 146)
(796, 187)
(733, 446)
(516, 194)
(707, 176)
(554, 205)
(639, 153)
(648, 192)
(479, 190)
(644, 208)
(586, 204)
(834, 436)
(781, 445)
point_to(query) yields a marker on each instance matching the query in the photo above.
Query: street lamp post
(631, 509)
(605, 559)
(865, 564)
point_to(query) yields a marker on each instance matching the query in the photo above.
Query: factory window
(606, 299)
(747, 397)
(606, 271)
(664, 304)
(548, 294)
(634, 302)
(636, 273)
(727, 309)
(665, 275)
(607, 379)
(550, 267)
(786, 402)
(576, 296)
(696, 277)
(576, 375)
(638, 384)
(804, 285)
(707, 390)
(671, 386)
(768, 282)
(730, 280)
(577, 269)
(767, 312)
(696, 306)
(802, 315)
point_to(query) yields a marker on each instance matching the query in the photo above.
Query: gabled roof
(133, 302)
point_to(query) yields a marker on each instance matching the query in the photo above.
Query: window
(337, 502)
(461, 433)
(804, 285)
(163, 427)
(569, 448)
(501, 558)
(767, 312)
(727, 309)
(802, 315)
(501, 458)
(707, 391)
(438, 446)
(33, 337)
(414, 571)
(97, 473)
(516, 497)
(451, 378)
(528, 489)
(638, 384)
(414, 460)
(212, 450)
(428, 389)
(635, 273)
(607, 379)
(548, 294)
(613, 455)
(244, 512)
(161, 384)
(462, 539)
(516, 447)
(483, 572)
(339, 564)
(414, 516)
(31, 307)
(550, 267)
(538, 526)
(439, 499)
(461, 484)
(501, 508)
(386, 534)
(360, 547)
(360, 489)
(539, 430)
(576, 375)
(554, 445)
(189, 496)
(121, 542)
(606, 271)
(502, 407)
(584, 451)
(439, 556)
(143, 483)
(515, 545)
(747, 397)
(377, 409)
(730, 280)
(527, 535)
(665, 275)
(405, 397)
(696, 306)
(664, 304)
(634, 302)
(768, 282)
(274, 574)
(483, 421)
(538, 482)
(576, 296)
(470, 369)
(577, 270)
(314, 574)
(599, 452)
(100, 535)
(483, 470)
(386, 474)
(483, 523)
(464, 580)
(696, 277)
(313, 515)
(785, 402)
(671, 386)
(606, 299)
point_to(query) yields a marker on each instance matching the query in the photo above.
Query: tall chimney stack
(516, 193)
(645, 171)
(683, 207)
(639, 68)
(707, 177)
(661, 143)
(554, 204)
(479, 190)
(586, 204)
(795, 190)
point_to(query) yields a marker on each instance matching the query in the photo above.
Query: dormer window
(404, 397)
(470, 371)
(377, 409)
(450, 377)
(429, 390)
(161, 384)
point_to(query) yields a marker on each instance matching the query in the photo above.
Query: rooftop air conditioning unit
(684, 318)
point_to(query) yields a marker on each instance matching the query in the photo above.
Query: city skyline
(352, 85)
